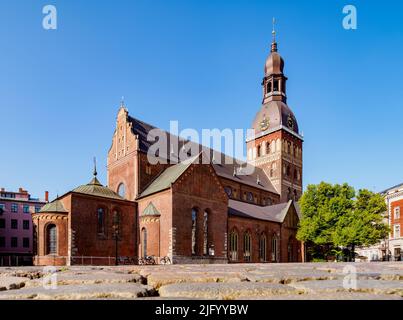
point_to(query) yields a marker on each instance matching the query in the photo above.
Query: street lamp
(116, 223)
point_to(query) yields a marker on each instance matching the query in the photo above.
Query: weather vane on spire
(274, 43)
(122, 101)
(95, 167)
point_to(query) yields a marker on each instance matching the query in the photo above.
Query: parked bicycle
(148, 260)
(165, 260)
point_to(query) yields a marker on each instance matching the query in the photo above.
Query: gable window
(51, 247)
(397, 212)
(233, 245)
(194, 233)
(101, 221)
(247, 247)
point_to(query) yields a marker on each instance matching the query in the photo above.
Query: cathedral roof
(95, 188)
(275, 114)
(224, 168)
(274, 213)
(55, 206)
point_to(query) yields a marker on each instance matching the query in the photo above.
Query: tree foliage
(337, 216)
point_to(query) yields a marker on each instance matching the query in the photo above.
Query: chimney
(46, 196)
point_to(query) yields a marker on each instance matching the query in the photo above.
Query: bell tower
(277, 145)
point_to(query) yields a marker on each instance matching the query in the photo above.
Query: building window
(25, 224)
(275, 85)
(269, 202)
(396, 231)
(101, 221)
(274, 249)
(289, 194)
(2, 242)
(2, 223)
(194, 231)
(262, 248)
(51, 247)
(289, 147)
(144, 242)
(233, 245)
(14, 224)
(228, 191)
(148, 169)
(205, 234)
(268, 86)
(250, 196)
(25, 242)
(14, 242)
(288, 171)
(259, 148)
(397, 212)
(25, 209)
(247, 247)
(14, 207)
(122, 190)
(267, 147)
(37, 209)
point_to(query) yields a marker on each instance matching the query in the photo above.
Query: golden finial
(95, 167)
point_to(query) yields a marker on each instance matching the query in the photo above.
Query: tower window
(259, 151)
(51, 247)
(194, 231)
(275, 85)
(268, 87)
(268, 147)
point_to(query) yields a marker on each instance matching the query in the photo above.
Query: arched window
(268, 86)
(289, 194)
(275, 85)
(288, 171)
(233, 245)
(228, 191)
(194, 231)
(144, 242)
(295, 195)
(51, 247)
(267, 147)
(101, 221)
(250, 196)
(289, 147)
(295, 173)
(205, 233)
(269, 202)
(274, 249)
(262, 247)
(247, 244)
(259, 150)
(116, 222)
(122, 190)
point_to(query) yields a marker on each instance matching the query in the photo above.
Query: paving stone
(225, 291)
(12, 283)
(329, 296)
(75, 292)
(369, 286)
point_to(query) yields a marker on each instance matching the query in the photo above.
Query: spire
(95, 167)
(274, 43)
(122, 102)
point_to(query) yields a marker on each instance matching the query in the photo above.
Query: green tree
(362, 225)
(333, 217)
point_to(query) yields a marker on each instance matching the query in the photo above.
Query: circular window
(122, 190)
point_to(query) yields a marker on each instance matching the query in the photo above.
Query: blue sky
(201, 63)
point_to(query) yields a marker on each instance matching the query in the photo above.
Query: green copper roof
(95, 188)
(54, 206)
(150, 210)
(167, 177)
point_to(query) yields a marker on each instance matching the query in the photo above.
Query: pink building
(16, 233)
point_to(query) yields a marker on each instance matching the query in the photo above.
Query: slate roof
(275, 213)
(95, 188)
(150, 210)
(55, 207)
(223, 165)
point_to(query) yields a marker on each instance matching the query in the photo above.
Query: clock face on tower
(290, 122)
(264, 124)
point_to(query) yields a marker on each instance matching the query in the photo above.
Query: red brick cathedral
(189, 212)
